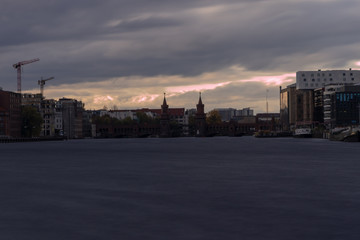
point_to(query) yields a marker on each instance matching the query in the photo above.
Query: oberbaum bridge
(200, 127)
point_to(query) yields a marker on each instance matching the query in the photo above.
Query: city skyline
(127, 53)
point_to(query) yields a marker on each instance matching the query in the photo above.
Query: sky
(125, 54)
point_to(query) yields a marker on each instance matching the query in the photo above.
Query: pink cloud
(273, 80)
(197, 88)
(144, 98)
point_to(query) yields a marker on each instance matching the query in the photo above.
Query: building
(317, 79)
(29, 99)
(4, 121)
(87, 125)
(59, 131)
(72, 118)
(304, 106)
(288, 103)
(245, 112)
(164, 120)
(200, 119)
(10, 114)
(268, 122)
(319, 105)
(226, 114)
(47, 111)
(341, 105)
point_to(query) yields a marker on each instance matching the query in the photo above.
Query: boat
(304, 132)
(347, 134)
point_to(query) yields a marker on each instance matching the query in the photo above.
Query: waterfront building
(341, 105)
(304, 106)
(10, 114)
(87, 125)
(59, 131)
(317, 79)
(72, 119)
(296, 107)
(319, 105)
(47, 111)
(34, 100)
(4, 121)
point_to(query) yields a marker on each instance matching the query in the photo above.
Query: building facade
(341, 105)
(72, 118)
(47, 110)
(318, 79)
(10, 114)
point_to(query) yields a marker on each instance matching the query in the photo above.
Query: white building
(318, 79)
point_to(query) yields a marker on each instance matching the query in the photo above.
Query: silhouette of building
(10, 114)
(72, 111)
(164, 120)
(200, 119)
(47, 110)
(4, 121)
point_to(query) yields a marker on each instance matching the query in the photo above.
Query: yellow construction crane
(41, 82)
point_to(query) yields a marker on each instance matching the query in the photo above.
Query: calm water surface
(185, 188)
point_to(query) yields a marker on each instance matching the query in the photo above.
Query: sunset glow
(273, 80)
(197, 88)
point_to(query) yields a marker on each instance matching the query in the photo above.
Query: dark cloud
(79, 41)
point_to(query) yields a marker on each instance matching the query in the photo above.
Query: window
(329, 74)
(312, 74)
(304, 79)
(330, 79)
(303, 75)
(344, 74)
(324, 79)
(318, 79)
(352, 79)
(323, 74)
(313, 80)
(344, 79)
(351, 74)
(318, 74)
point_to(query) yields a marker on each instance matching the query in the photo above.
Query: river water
(180, 188)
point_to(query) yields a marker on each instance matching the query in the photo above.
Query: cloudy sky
(126, 53)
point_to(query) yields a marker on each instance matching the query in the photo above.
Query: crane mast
(17, 66)
(41, 82)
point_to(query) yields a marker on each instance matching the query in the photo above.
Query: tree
(143, 118)
(127, 121)
(213, 117)
(31, 122)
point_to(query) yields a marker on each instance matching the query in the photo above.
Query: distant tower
(164, 120)
(200, 119)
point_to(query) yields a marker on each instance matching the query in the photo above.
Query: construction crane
(18, 68)
(42, 83)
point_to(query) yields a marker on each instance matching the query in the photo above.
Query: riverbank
(15, 140)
